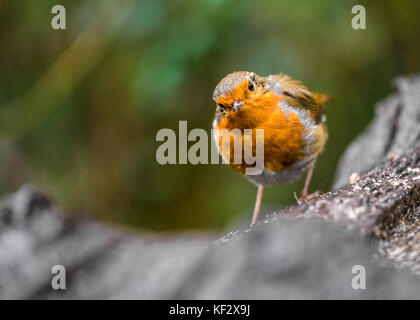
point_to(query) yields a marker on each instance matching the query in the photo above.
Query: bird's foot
(307, 197)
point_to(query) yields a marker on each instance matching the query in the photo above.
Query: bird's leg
(305, 195)
(257, 204)
(307, 181)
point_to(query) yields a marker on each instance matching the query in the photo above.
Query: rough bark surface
(304, 251)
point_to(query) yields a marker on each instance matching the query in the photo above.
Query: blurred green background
(80, 108)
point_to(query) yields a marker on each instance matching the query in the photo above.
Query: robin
(291, 116)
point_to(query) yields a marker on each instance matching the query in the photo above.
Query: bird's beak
(237, 104)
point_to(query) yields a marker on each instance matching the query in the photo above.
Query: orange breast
(283, 142)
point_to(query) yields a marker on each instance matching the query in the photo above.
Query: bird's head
(233, 91)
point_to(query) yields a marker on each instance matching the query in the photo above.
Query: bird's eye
(251, 86)
(221, 106)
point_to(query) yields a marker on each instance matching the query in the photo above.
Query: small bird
(291, 116)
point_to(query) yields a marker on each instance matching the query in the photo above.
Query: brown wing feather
(296, 94)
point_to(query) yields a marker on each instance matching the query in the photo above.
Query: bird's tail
(321, 98)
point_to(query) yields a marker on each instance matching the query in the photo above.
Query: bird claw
(298, 200)
(308, 197)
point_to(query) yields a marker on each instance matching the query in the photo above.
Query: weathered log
(304, 251)
(394, 129)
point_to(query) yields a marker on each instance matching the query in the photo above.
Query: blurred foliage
(80, 108)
